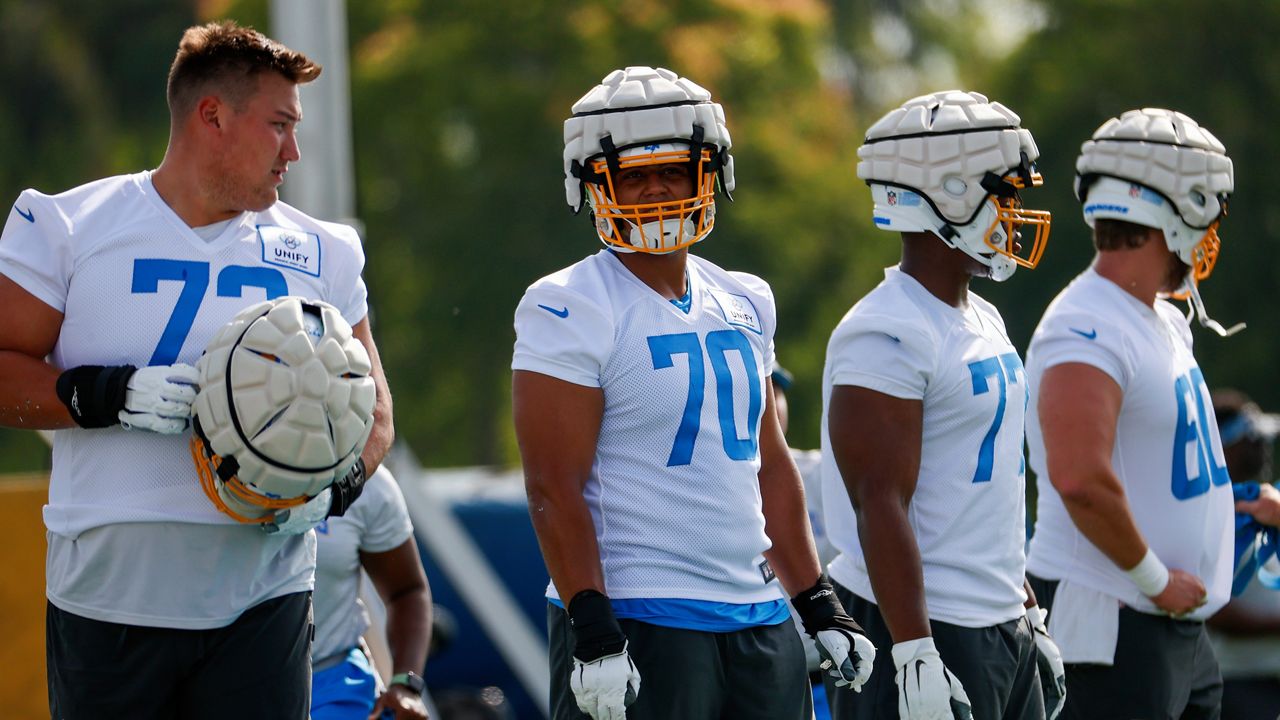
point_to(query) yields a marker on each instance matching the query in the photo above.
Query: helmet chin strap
(670, 231)
(1197, 308)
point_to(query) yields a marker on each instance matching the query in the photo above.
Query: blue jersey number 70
(663, 348)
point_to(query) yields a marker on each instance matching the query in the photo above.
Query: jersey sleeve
(347, 290)
(562, 334)
(35, 249)
(762, 298)
(387, 524)
(882, 353)
(1082, 338)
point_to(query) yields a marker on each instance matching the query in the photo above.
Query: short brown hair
(1119, 235)
(227, 57)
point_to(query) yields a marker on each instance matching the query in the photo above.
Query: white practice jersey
(137, 286)
(968, 511)
(376, 522)
(673, 491)
(1167, 452)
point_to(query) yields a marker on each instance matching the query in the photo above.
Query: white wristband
(1150, 575)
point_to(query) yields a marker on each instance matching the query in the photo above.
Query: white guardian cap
(1158, 168)
(642, 116)
(285, 407)
(953, 163)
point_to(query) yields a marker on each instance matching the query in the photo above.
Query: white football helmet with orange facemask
(952, 163)
(642, 116)
(1160, 169)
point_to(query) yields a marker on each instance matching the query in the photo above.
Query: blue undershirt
(703, 615)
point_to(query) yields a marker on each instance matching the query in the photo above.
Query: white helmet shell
(1162, 151)
(931, 165)
(638, 112)
(285, 406)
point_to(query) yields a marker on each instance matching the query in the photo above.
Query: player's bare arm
(383, 433)
(397, 576)
(28, 331)
(1079, 406)
(876, 441)
(557, 423)
(792, 556)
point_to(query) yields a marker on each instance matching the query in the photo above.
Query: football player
(923, 483)
(659, 482)
(160, 606)
(1133, 539)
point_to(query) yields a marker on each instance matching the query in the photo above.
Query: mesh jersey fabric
(137, 286)
(673, 491)
(1167, 454)
(968, 509)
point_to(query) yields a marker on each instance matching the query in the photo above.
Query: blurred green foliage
(458, 106)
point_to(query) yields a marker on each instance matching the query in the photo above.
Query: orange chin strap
(701, 205)
(207, 464)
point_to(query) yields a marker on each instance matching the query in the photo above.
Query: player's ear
(210, 110)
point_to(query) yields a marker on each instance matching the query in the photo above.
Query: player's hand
(400, 703)
(298, 520)
(605, 686)
(1266, 508)
(158, 399)
(926, 689)
(845, 652)
(1184, 594)
(846, 656)
(1053, 674)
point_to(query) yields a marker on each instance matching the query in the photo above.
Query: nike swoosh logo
(1091, 335)
(562, 312)
(28, 215)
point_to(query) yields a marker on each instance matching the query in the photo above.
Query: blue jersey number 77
(1004, 370)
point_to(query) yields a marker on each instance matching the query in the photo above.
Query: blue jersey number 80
(719, 343)
(194, 276)
(1192, 444)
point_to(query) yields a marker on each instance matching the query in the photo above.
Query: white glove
(926, 689)
(158, 399)
(605, 686)
(300, 519)
(1053, 674)
(846, 656)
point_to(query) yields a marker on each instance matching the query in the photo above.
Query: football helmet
(1173, 175)
(1158, 168)
(285, 407)
(641, 116)
(953, 163)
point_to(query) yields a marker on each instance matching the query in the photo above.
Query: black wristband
(95, 394)
(346, 489)
(596, 631)
(820, 609)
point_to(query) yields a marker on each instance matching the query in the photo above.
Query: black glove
(596, 631)
(847, 655)
(604, 680)
(346, 489)
(95, 394)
